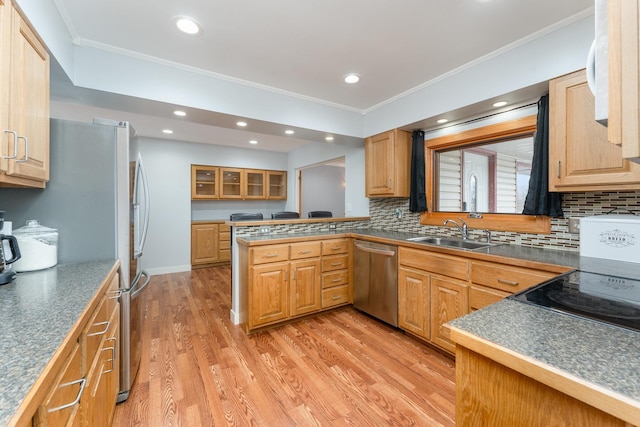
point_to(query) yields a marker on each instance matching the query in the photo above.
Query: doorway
(321, 188)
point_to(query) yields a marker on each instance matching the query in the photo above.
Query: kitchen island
(523, 365)
(39, 313)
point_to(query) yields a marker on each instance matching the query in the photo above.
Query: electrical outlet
(332, 226)
(264, 229)
(574, 225)
(398, 213)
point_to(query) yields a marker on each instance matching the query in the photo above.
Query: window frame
(512, 129)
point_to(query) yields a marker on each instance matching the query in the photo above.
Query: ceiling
(303, 48)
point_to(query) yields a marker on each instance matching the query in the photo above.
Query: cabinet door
(232, 183)
(204, 243)
(379, 164)
(5, 55)
(580, 156)
(306, 287)
(268, 294)
(255, 184)
(204, 182)
(29, 103)
(449, 300)
(413, 301)
(277, 185)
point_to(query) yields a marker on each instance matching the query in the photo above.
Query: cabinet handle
(115, 294)
(15, 145)
(26, 150)
(294, 273)
(336, 248)
(271, 255)
(113, 354)
(389, 183)
(558, 171)
(106, 328)
(82, 383)
(336, 297)
(508, 282)
(308, 251)
(336, 280)
(335, 264)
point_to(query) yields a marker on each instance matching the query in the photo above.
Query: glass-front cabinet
(204, 182)
(232, 183)
(255, 180)
(277, 185)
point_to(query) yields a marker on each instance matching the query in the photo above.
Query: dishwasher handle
(367, 248)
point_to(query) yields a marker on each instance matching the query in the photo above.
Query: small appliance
(7, 274)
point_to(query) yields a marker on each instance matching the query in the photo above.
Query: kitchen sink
(451, 243)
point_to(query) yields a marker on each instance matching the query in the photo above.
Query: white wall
(323, 190)
(356, 203)
(168, 166)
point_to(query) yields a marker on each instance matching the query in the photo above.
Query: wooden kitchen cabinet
(277, 185)
(24, 102)
(388, 164)
(282, 281)
(210, 243)
(432, 290)
(414, 300)
(580, 156)
(242, 184)
(205, 182)
(624, 76)
(82, 388)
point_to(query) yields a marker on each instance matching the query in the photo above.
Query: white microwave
(598, 63)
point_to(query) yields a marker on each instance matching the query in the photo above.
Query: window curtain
(417, 195)
(539, 200)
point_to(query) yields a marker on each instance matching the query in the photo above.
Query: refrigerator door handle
(140, 184)
(135, 292)
(147, 203)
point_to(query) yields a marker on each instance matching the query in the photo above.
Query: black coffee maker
(7, 274)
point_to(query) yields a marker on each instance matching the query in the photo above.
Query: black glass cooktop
(610, 299)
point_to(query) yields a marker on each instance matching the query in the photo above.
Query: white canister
(38, 247)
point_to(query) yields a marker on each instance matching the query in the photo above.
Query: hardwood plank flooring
(340, 368)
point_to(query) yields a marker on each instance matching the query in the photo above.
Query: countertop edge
(296, 221)
(606, 400)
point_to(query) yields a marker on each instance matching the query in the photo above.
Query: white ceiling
(304, 48)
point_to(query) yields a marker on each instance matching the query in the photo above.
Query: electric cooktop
(611, 299)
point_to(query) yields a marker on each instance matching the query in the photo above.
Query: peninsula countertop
(37, 312)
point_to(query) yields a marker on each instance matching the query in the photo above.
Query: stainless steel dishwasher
(375, 287)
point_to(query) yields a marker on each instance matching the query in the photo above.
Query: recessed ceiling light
(328, 138)
(253, 141)
(499, 104)
(352, 78)
(241, 124)
(289, 132)
(167, 131)
(441, 121)
(180, 113)
(187, 25)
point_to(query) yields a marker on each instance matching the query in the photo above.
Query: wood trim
(499, 222)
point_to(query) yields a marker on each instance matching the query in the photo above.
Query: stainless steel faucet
(462, 229)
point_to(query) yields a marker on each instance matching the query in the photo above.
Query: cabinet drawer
(335, 262)
(480, 297)
(435, 263)
(335, 296)
(507, 278)
(93, 335)
(224, 244)
(224, 228)
(224, 236)
(272, 253)
(224, 255)
(63, 392)
(305, 250)
(335, 246)
(336, 278)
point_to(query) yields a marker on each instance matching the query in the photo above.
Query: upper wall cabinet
(222, 183)
(24, 102)
(624, 75)
(580, 157)
(388, 164)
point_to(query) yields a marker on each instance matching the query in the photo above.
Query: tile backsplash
(384, 216)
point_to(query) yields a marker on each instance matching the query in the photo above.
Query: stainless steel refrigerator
(98, 199)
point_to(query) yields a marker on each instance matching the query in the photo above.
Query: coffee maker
(7, 274)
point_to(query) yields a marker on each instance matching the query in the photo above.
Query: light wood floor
(336, 369)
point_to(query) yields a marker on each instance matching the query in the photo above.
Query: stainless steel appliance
(7, 274)
(605, 298)
(98, 200)
(375, 280)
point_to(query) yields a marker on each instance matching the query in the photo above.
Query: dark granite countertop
(603, 355)
(37, 311)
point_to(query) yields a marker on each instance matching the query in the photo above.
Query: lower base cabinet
(84, 390)
(414, 299)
